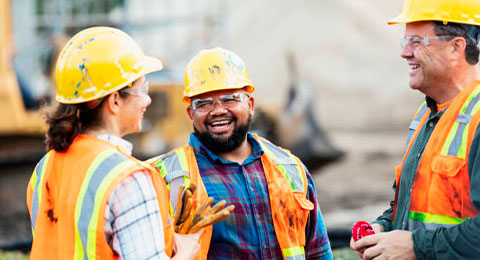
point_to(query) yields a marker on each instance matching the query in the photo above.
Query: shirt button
(264, 246)
(252, 189)
(430, 124)
(258, 216)
(418, 155)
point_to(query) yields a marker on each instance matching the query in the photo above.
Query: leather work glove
(191, 217)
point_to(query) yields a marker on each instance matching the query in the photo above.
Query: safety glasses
(141, 91)
(412, 42)
(227, 101)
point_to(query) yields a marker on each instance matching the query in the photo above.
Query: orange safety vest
(441, 189)
(67, 195)
(287, 187)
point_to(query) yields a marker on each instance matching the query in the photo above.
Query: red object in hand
(361, 229)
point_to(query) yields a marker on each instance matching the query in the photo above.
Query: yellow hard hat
(455, 11)
(215, 69)
(98, 61)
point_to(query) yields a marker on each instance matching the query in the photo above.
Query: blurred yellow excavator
(166, 125)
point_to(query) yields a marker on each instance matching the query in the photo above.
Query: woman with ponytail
(88, 198)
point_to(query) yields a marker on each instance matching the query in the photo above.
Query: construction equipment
(166, 124)
(19, 128)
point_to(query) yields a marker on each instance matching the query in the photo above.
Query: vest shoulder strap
(416, 122)
(174, 168)
(289, 165)
(174, 164)
(458, 140)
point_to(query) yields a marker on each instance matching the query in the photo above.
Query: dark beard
(222, 145)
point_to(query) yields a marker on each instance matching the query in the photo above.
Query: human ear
(114, 102)
(190, 113)
(251, 105)
(458, 48)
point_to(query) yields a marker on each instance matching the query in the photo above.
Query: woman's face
(134, 106)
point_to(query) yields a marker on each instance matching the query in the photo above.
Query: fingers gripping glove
(190, 217)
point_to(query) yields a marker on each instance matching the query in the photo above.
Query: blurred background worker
(88, 197)
(437, 201)
(276, 213)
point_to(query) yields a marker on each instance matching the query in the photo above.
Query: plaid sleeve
(317, 245)
(133, 224)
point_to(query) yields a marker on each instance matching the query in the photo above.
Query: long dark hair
(66, 121)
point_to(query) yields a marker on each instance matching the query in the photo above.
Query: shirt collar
(123, 144)
(434, 107)
(199, 148)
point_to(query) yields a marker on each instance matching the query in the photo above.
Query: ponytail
(67, 121)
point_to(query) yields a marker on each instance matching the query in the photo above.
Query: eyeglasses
(141, 91)
(412, 42)
(227, 101)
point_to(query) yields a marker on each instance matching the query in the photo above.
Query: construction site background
(347, 62)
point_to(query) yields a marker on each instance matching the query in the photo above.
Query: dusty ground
(359, 186)
(356, 188)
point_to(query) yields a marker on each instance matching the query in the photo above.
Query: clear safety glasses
(412, 42)
(227, 101)
(141, 91)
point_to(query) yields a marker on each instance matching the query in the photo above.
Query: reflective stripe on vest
(294, 253)
(419, 220)
(171, 166)
(415, 122)
(37, 180)
(286, 163)
(456, 143)
(100, 174)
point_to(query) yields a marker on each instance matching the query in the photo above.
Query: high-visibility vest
(287, 186)
(441, 188)
(67, 195)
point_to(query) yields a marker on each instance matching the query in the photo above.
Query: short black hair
(469, 32)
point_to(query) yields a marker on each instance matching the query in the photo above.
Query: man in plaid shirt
(270, 221)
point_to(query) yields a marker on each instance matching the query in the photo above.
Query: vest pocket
(447, 165)
(302, 201)
(444, 190)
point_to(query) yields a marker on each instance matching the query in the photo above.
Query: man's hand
(377, 228)
(391, 245)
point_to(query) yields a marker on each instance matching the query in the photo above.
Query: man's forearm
(385, 220)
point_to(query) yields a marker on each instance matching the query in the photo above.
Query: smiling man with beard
(276, 213)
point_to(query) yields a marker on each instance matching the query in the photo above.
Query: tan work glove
(190, 218)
